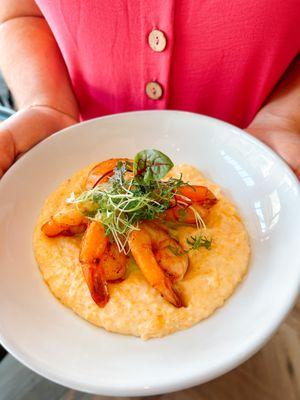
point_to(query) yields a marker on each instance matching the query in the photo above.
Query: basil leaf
(151, 165)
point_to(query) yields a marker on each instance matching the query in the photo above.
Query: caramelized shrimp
(142, 245)
(167, 251)
(66, 223)
(101, 262)
(93, 246)
(188, 201)
(198, 194)
(95, 279)
(102, 172)
(113, 263)
(185, 214)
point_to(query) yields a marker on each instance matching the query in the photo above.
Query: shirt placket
(157, 34)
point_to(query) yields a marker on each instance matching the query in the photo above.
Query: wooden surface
(272, 374)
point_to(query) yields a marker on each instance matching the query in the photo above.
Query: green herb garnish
(151, 165)
(126, 199)
(194, 242)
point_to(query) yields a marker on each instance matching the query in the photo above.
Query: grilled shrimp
(188, 201)
(100, 260)
(102, 172)
(93, 246)
(113, 263)
(66, 223)
(160, 258)
(148, 249)
(167, 251)
(199, 194)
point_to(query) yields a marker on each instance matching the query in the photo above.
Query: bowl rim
(234, 129)
(251, 347)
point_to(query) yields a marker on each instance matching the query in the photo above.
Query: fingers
(31, 125)
(297, 172)
(7, 150)
(26, 128)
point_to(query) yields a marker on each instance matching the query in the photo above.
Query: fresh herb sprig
(194, 242)
(134, 193)
(151, 165)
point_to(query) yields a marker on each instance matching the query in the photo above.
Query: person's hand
(27, 127)
(282, 135)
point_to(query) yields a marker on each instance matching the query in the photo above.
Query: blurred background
(6, 109)
(6, 101)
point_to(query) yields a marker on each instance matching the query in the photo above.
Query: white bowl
(51, 340)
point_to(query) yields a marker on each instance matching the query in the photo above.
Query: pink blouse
(217, 57)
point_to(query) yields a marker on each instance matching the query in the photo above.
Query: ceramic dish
(53, 341)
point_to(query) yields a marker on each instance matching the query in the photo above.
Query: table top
(272, 374)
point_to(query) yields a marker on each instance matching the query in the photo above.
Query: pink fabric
(223, 57)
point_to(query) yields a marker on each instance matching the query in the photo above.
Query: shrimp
(143, 246)
(67, 222)
(185, 213)
(93, 246)
(167, 251)
(100, 260)
(113, 263)
(102, 172)
(70, 221)
(198, 194)
(190, 200)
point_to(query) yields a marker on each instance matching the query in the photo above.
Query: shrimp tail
(169, 293)
(95, 279)
(141, 248)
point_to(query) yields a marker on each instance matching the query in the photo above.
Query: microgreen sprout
(194, 242)
(128, 198)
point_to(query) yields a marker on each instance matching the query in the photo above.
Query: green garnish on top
(151, 165)
(194, 242)
(135, 192)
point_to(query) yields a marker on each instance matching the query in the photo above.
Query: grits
(135, 308)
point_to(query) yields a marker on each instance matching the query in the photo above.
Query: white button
(157, 40)
(154, 90)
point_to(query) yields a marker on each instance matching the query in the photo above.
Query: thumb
(26, 128)
(7, 150)
(297, 172)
